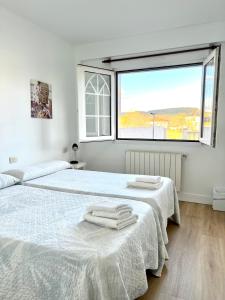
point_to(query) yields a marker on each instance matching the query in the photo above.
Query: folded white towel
(108, 206)
(149, 179)
(109, 223)
(123, 214)
(144, 185)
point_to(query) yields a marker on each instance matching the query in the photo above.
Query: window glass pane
(101, 83)
(104, 84)
(208, 99)
(91, 82)
(91, 104)
(160, 104)
(92, 126)
(90, 88)
(106, 90)
(104, 105)
(87, 76)
(107, 80)
(104, 126)
(107, 86)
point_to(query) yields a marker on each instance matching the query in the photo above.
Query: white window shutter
(209, 98)
(96, 103)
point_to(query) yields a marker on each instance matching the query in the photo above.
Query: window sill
(96, 141)
(157, 140)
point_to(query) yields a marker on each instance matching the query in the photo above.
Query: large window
(172, 103)
(160, 104)
(176, 103)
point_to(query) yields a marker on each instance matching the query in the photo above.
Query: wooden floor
(196, 268)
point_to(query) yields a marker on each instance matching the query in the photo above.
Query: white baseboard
(196, 198)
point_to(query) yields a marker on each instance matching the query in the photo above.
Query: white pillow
(7, 180)
(39, 170)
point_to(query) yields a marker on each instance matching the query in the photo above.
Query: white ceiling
(84, 21)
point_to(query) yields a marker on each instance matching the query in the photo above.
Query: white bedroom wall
(203, 166)
(28, 52)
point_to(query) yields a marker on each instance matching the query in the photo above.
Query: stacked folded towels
(146, 182)
(111, 215)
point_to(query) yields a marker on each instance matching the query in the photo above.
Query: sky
(159, 89)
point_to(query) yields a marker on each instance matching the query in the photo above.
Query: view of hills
(171, 123)
(176, 110)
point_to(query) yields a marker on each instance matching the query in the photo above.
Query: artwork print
(41, 99)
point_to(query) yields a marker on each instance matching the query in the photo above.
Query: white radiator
(155, 163)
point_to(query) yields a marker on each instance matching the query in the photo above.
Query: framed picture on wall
(41, 99)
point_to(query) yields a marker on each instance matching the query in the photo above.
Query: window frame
(152, 69)
(215, 56)
(81, 69)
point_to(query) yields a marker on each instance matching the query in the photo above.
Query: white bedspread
(163, 200)
(48, 252)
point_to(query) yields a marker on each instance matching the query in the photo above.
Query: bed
(48, 252)
(164, 200)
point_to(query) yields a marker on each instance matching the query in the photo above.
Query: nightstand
(80, 166)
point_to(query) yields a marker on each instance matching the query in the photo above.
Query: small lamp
(75, 149)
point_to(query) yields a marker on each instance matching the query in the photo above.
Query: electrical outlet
(13, 159)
